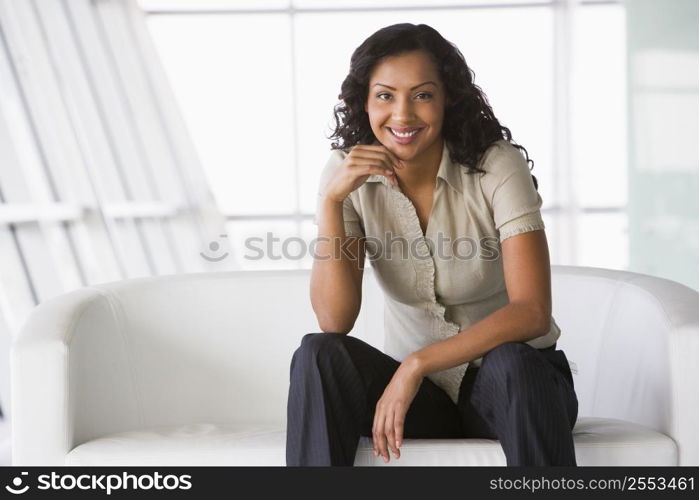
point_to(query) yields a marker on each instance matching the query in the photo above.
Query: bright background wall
(156, 137)
(554, 73)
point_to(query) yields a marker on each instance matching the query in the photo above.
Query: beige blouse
(441, 283)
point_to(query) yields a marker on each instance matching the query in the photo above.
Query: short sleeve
(353, 226)
(509, 188)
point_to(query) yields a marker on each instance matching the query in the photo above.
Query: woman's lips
(404, 140)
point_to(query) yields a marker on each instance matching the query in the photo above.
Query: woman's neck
(420, 173)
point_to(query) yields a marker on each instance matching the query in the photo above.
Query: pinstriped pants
(522, 396)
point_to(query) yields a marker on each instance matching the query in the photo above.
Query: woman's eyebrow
(416, 86)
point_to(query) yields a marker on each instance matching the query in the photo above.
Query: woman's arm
(527, 316)
(338, 264)
(336, 276)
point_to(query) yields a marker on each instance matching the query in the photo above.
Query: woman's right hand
(361, 162)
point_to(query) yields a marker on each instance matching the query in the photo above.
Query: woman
(422, 162)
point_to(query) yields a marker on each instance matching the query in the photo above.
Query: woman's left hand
(391, 409)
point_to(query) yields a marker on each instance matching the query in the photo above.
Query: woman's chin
(400, 151)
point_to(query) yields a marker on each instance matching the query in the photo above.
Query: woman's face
(406, 94)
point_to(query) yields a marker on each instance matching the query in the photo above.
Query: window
(567, 107)
(97, 182)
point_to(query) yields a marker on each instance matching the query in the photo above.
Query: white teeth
(409, 134)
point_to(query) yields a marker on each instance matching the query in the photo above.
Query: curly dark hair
(469, 125)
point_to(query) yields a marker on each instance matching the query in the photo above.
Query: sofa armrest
(635, 338)
(679, 306)
(684, 352)
(65, 371)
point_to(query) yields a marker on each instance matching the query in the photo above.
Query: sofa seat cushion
(610, 441)
(192, 444)
(598, 441)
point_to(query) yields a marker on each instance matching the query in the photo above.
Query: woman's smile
(404, 138)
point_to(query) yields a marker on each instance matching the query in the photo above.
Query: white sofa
(193, 369)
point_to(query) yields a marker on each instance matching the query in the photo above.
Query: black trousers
(522, 396)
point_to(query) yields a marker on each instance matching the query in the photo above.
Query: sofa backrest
(200, 347)
(216, 347)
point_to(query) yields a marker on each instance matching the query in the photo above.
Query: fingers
(384, 434)
(377, 153)
(398, 422)
(377, 169)
(378, 437)
(386, 172)
(389, 432)
(379, 148)
(361, 162)
(377, 160)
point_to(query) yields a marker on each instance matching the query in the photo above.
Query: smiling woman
(409, 117)
(435, 79)
(421, 158)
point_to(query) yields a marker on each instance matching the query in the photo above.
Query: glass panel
(598, 107)
(267, 244)
(236, 102)
(516, 77)
(333, 4)
(603, 240)
(663, 62)
(309, 233)
(550, 220)
(155, 5)
(16, 300)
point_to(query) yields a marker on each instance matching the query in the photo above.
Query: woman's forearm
(335, 296)
(512, 323)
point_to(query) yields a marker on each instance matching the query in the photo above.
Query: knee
(314, 346)
(510, 359)
(317, 342)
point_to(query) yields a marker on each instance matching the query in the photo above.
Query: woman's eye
(426, 95)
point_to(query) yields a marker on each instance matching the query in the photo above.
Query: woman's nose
(403, 110)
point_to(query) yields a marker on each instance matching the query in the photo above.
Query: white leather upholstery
(598, 441)
(194, 369)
